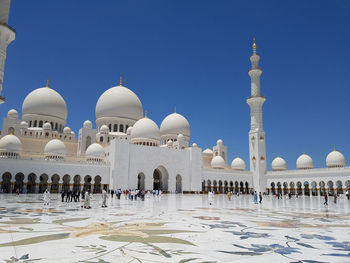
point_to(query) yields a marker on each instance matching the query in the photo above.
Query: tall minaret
(7, 35)
(257, 151)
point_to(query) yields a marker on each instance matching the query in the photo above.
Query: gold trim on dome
(47, 83)
(121, 81)
(175, 109)
(146, 114)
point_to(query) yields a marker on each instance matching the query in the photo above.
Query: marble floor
(174, 228)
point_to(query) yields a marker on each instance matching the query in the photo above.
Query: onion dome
(219, 142)
(180, 137)
(12, 114)
(45, 102)
(95, 152)
(175, 124)
(218, 162)
(145, 130)
(47, 126)
(194, 144)
(67, 130)
(104, 129)
(10, 144)
(208, 151)
(24, 124)
(305, 162)
(128, 130)
(335, 159)
(87, 124)
(119, 102)
(278, 164)
(55, 148)
(238, 164)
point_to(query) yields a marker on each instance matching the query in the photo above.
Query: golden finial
(175, 109)
(121, 81)
(334, 149)
(47, 83)
(146, 114)
(254, 44)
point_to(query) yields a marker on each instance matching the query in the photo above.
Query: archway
(279, 188)
(31, 183)
(178, 184)
(215, 186)
(55, 183)
(231, 186)
(236, 187)
(246, 188)
(306, 188)
(19, 177)
(299, 190)
(339, 186)
(285, 188)
(66, 180)
(330, 188)
(160, 179)
(76, 183)
(208, 185)
(292, 188)
(273, 189)
(97, 184)
(203, 186)
(43, 182)
(141, 181)
(347, 185)
(314, 188)
(220, 187)
(6, 182)
(226, 186)
(87, 183)
(241, 187)
(322, 188)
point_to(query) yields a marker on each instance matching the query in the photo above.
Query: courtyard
(174, 228)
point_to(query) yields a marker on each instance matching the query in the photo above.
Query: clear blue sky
(195, 55)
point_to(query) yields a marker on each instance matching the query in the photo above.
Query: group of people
(256, 197)
(72, 195)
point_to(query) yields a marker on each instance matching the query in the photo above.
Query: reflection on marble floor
(174, 228)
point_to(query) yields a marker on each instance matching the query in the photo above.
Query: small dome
(104, 129)
(46, 102)
(12, 114)
(55, 147)
(24, 124)
(278, 164)
(67, 130)
(47, 126)
(128, 130)
(335, 159)
(218, 162)
(119, 102)
(95, 150)
(170, 143)
(87, 124)
(180, 137)
(145, 128)
(208, 151)
(219, 142)
(10, 143)
(175, 124)
(194, 144)
(238, 164)
(305, 162)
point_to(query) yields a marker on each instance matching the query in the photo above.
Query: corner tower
(257, 151)
(7, 35)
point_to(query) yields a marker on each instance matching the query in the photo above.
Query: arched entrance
(178, 184)
(322, 188)
(339, 187)
(87, 183)
(160, 179)
(76, 184)
(43, 182)
(220, 187)
(330, 188)
(54, 183)
(31, 183)
(231, 186)
(306, 188)
(141, 181)
(208, 185)
(66, 180)
(6, 182)
(299, 189)
(236, 187)
(203, 186)
(285, 188)
(279, 188)
(226, 186)
(215, 186)
(97, 184)
(19, 182)
(246, 188)
(241, 187)
(292, 188)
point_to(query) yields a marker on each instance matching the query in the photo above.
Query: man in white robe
(104, 198)
(46, 197)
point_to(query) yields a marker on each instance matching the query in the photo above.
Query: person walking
(210, 197)
(255, 197)
(46, 197)
(325, 199)
(260, 198)
(335, 198)
(104, 198)
(87, 200)
(229, 195)
(62, 196)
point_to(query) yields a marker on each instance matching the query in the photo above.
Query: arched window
(34, 123)
(101, 139)
(40, 124)
(115, 127)
(121, 128)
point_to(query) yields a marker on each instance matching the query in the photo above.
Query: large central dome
(119, 102)
(45, 102)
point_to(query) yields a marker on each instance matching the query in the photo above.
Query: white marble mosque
(125, 149)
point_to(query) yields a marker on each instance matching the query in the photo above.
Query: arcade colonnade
(224, 186)
(37, 183)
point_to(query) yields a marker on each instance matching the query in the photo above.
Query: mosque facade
(128, 150)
